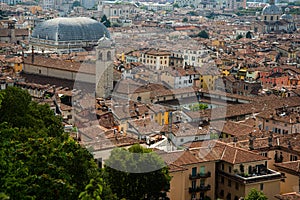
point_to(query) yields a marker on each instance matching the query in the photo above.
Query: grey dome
(271, 10)
(70, 29)
(287, 17)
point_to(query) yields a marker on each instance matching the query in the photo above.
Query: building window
(236, 185)
(229, 169)
(293, 158)
(222, 179)
(202, 170)
(229, 183)
(222, 193)
(222, 167)
(228, 197)
(202, 182)
(272, 18)
(261, 186)
(194, 171)
(40, 71)
(194, 184)
(265, 154)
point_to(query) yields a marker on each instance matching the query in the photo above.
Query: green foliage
(248, 35)
(37, 159)
(185, 19)
(203, 34)
(192, 13)
(214, 136)
(92, 191)
(105, 21)
(175, 5)
(255, 195)
(239, 37)
(198, 106)
(125, 173)
(76, 4)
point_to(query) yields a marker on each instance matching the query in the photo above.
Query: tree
(105, 21)
(255, 195)
(203, 34)
(239, 37)
(137, 173)
(185, 20)
(37, 159)
(76, 4)
(175, 5)
(249, 35)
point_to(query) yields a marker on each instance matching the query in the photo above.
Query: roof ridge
(223, 152)
(235, 154)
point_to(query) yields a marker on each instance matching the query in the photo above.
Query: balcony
(200, 175)
(201, 188)
(254, 178)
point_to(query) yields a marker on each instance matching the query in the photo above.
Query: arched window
(100, 56)
(108, 55)
(271, 18)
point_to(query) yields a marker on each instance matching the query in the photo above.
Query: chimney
(32, 54)
(270, 141)
(235, 139)
(289, 145)
(251, 141)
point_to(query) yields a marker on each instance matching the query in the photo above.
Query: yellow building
(218, 43)
(15, 63)
(159, 114)
(207, 82)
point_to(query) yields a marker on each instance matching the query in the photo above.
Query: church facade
(274, 21)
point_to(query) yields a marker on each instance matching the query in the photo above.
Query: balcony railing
(201, 188)
(200, 175)
(270, 175)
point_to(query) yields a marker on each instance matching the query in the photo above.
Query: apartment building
(179, 77)
(213, 169)
(156, 59)
(280, 121)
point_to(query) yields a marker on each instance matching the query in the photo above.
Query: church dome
(70, 29)
(271, 10)
(287, 17)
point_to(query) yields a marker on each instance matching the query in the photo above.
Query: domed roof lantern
(105, 42)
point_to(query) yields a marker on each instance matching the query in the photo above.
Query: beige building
(280, 121)
(213, 169)
(156, 59)
(192, 178)
(291, 171)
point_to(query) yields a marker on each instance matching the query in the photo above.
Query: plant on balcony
(242, 168)
(207, 198)
(256, 195)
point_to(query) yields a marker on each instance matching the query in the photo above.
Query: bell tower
(105, 53)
